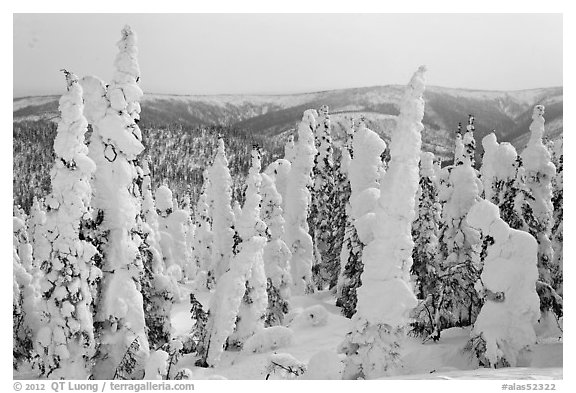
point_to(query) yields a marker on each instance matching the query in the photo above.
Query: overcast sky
(289, 53)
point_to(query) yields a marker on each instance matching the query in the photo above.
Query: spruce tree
(385, 298)
(252, 311)
(276, 254)
(425, 233)
(67, 333)
(115, 144)
(222, 214)
(297, 235)
(322, 202)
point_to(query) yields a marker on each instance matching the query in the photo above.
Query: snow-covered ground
(445, 359)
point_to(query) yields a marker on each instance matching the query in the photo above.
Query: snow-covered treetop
(289, 149)
(271, 207)
(69, 142)
(536, 157)
(405, 151)
(126, 61)
(164, 200)
(427, 165)
(306, 130)
(249, 223)
(364, 169)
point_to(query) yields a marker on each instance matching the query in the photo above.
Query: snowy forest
(314, 256)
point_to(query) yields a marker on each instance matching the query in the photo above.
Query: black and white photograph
(286, 196)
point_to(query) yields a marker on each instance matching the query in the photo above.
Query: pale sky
(292, 53)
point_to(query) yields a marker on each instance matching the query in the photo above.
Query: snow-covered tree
(322, 209)
(115, 144)
(364, 170)
(344, 220)
(290, 149)
(202, 242)
(36, 234)
(504, 183)
(425, 232)
(157, 287)
(173, 224)
(558, 227)
(222, 215)
(460, 245)
(25, 321)
(280, 170)
(386, 297)
(425, 229)
(252, 311)
(246, 271)
(66, 338)
(297, 206)
(540, 171)
(504, 330)
(539, 174)
(276, 254)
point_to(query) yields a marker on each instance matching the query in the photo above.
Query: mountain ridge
(275, 115)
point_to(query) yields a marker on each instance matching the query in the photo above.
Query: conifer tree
(425, 233)
(115, 144)
(66, 338)
(460, 245)
(322, 200)
(386, 297)
(504, 330)
(25, 301)
(539, 174)
(297, 206)
(202, 242)
(252, 311)
(276, 254)
(223, 216)
(365, 149)
(558, 226)
(157, 288)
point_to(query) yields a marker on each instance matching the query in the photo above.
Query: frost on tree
(246, 270)
(343, 201)
(252, 311)
(558, 204)
(222, 215)
(385, 298)
(115, 145)
(202, 242)
(460, 245)
(37, 236)
(157, 288)
(297, 237)
(322, 215)
(290, 149)
(425, 233)
(363, 172)
(173, 226)
(66, 339)
(276, 254)
(280, 170)
(339, 201)
(540, 171)
(503, 179)
(25, 298)
(504, 330)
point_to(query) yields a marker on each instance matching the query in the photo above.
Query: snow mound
(157, 365)
(324, 365)
(312, 316)
(269, 339)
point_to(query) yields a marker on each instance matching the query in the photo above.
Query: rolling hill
(508, 113)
